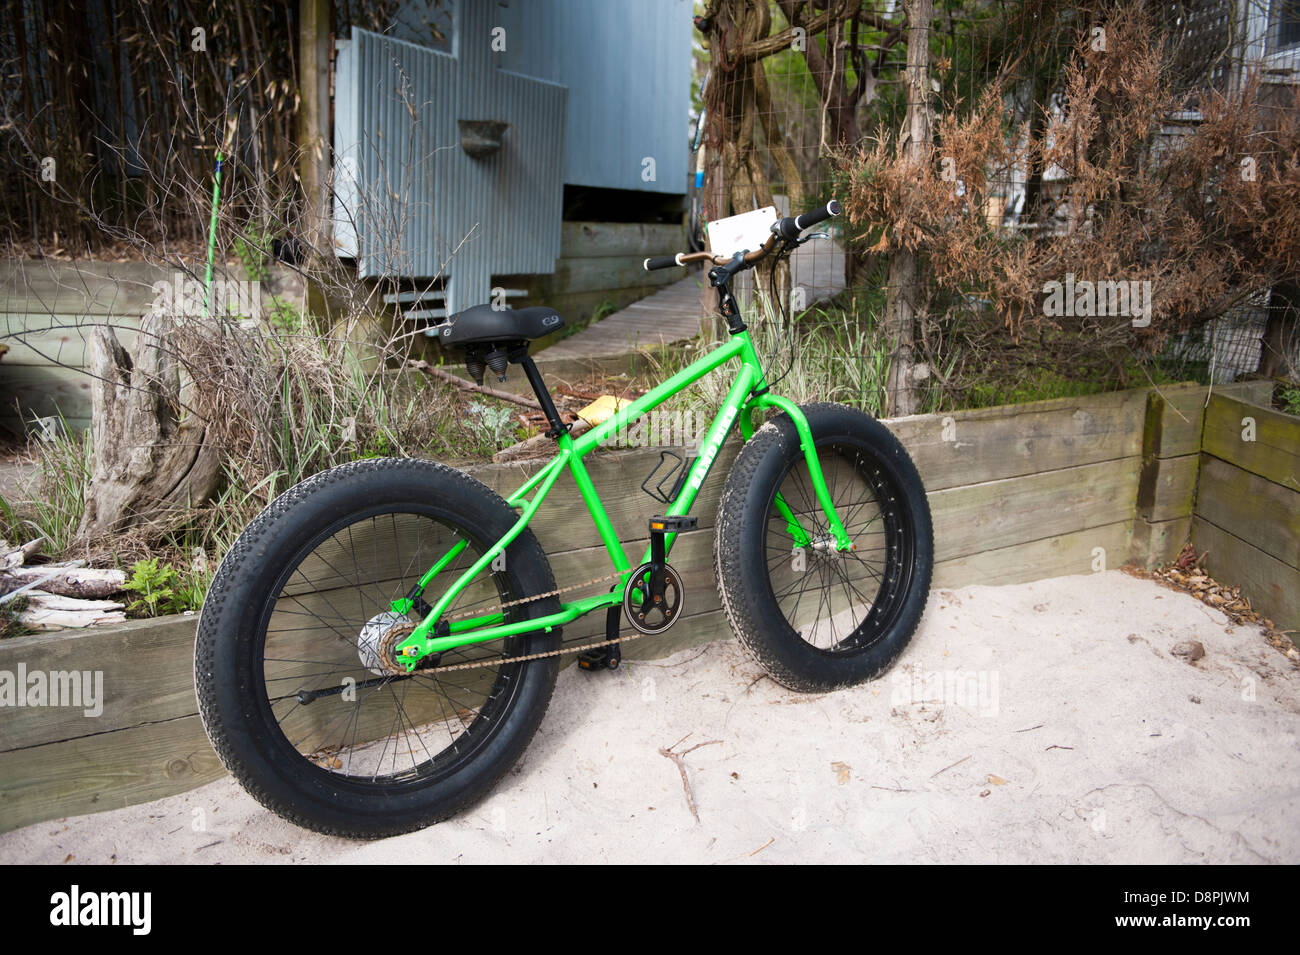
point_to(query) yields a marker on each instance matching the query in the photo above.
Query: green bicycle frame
(740, 402)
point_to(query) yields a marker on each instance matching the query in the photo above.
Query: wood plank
(1261, 513)
(572, 276)
(973, 519)
(1058, 556)
(1167, 487)
(106, 771)
(563, 524)
(43, 391)
(147, 670)
(1259, 440)
(1159, 542)
(51, 287)
(582, 240)
(58, 339)
(124, 289)
(1174, 420)
(1257, 391)
(989, 444)
(1272, 586)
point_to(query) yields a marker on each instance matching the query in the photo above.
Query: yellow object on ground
(603, 408)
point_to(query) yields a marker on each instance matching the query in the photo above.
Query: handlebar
(788, 229)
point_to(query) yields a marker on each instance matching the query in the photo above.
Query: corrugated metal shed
(409, 200)
(407, 196)
(627, 64)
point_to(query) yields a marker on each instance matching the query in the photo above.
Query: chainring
(653, 612)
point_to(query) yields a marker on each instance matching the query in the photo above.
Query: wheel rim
(840, 602)
(383, 731)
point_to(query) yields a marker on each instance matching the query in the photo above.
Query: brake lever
(812, 235)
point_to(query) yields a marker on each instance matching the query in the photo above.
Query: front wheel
(817, 618)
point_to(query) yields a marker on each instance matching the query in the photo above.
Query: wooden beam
(1255, 439)
(1263, 514)
(1273, 587)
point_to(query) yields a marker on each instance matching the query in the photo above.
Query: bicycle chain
(501, 661)
(524, 600)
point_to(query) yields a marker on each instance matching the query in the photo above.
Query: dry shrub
(1208, 217)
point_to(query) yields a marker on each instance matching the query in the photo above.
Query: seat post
(521, 357)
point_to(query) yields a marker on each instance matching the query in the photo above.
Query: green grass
(1288, 398)
(55, 513)
(1040, 386)
(830, 352)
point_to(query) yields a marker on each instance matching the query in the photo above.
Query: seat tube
(597, 510)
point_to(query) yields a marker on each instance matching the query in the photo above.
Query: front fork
(809, 448)
(721, 276)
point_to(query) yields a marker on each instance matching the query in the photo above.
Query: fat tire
(740, 560)
(227, 637)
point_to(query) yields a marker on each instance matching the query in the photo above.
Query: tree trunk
(314, 121)
(152, 463)
(905, 281)
(1280, 344)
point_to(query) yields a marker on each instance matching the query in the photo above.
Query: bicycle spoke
(378, 733)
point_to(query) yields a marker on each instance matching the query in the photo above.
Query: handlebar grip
(789, 228)
(661, 262)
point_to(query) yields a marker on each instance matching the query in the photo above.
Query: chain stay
(532, 656)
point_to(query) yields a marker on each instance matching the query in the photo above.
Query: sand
(1044, 722)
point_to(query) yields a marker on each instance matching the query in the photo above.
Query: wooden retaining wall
(47, 309)
(1247, 511)
(1017, 493)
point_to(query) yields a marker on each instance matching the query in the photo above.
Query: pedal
(659, 524)
(607, 657)
(671, 524)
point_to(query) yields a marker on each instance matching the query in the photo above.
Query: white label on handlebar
(741, 233)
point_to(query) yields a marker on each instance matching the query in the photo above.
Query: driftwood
(151, 459)
(46, 611)
(434, 372)
(84, 582)
(19, 555)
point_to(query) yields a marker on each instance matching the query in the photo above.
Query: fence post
(1171, 443)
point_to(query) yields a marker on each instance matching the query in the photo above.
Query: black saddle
(483, 324)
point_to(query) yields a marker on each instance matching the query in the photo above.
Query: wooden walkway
(673, 313)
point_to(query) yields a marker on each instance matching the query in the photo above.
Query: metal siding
(627, 64)
(419, 196)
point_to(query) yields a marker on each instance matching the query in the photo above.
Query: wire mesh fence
(1045, 198)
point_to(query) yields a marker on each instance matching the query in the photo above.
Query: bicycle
(381, 642)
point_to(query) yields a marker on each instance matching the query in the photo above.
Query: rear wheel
(295, 677)
(815, 617)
